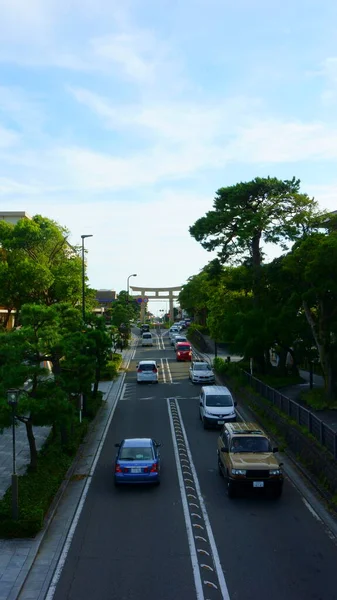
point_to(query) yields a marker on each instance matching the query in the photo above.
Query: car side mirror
(223, 449)
(117, 445)
(275, 449)
(200, 403)
(158, 444)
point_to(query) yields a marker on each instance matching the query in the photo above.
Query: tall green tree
(37, 264)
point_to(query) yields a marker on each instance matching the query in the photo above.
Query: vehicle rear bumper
(125, 478)
(212, 422)
(247, 484)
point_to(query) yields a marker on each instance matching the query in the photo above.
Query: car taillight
(154, 370)
(118, 469)
(154, 468)
(139, 370)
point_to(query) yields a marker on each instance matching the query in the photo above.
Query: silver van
(216, 406)
(147, 339)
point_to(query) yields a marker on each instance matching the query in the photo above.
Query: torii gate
(143, 294)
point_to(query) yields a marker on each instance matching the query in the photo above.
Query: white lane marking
(188, 524)
(163, 369)
(123, 392)
(63, 556)
(168, 369)
(216, 559)
(311, 510)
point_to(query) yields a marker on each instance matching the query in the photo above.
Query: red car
(183, 351)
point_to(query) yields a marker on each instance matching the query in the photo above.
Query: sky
(122, 119)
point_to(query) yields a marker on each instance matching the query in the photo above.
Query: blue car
(137, 461)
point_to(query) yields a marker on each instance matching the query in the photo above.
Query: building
(14, 216)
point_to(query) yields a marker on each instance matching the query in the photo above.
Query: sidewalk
(31, 562)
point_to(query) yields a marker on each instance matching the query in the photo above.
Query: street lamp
(127, 285)
(83, 276)
(12, 399)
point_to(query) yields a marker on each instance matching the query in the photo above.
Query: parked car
(183, 351)
(247, 459)
(216, 406)
(147, 339)
(147, 371)
(201, 372)
(137, 461)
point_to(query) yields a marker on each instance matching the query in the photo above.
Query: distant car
(137, 461)
(201, 372)
(144, 328)
(176, 337)
(179, 338)
(216, 406)
(147, 339)
(183, 351)
(173, 331)
(147, 371)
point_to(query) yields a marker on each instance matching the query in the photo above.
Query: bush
(37, 489)
(317, 399)
(111, 369)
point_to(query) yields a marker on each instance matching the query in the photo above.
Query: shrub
(38, 488)
(111, 369)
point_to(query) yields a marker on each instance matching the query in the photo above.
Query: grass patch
(317, 399)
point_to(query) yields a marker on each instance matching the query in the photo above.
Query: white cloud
(8, 137)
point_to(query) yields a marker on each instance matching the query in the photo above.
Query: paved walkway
(32, 561)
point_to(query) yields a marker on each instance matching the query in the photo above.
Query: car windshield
(146, 367)
(201, 367)
(250, 444)
(130, 453)
(147, 336)
(183, 348)
(219, 400)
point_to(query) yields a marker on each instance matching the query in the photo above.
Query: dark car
(137, 461)
(144, 328)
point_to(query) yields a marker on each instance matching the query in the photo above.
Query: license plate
(258, 484)
(135, 470)
(221, 422)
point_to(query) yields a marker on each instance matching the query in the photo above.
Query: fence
(324, 434)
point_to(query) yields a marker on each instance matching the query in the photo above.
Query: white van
(147, 339)
(216, 406)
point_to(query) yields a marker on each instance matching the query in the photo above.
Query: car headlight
(239, 471)
(275, 472)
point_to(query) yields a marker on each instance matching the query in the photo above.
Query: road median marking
(197, 523)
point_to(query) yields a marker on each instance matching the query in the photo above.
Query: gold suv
(246, 459)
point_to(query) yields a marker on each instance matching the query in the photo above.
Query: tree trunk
(322, 341)
(64, 434)
(96, 383)
(32, 445)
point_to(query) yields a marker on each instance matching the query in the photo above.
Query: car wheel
(204, 424)
(219, 467)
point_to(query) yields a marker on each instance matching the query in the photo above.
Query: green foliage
(317, 399)
(38, 488)
(111, 369)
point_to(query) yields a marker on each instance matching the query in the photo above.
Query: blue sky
(121, 119)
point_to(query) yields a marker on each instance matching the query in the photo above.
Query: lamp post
(12, 399)
(83, 276)
(127, 285)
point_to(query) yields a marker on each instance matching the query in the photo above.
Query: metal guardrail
(322, 432)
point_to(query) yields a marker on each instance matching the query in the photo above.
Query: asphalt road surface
(185, 539)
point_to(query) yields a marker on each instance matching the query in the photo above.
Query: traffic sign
(139, 300)
(145, 299)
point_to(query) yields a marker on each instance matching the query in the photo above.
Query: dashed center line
(208, 576)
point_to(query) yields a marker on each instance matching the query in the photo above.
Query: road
(185, 539)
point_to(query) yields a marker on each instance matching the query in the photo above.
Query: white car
(178, 338)
(216, 406)
(173, 331)
(201, 372)
(147, 371)
(147, 339)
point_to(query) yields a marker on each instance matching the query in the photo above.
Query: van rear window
(147, 336)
